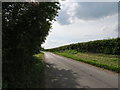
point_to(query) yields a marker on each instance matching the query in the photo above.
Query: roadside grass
(105, 61)
(35, 77)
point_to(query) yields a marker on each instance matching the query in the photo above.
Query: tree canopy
(25, 26)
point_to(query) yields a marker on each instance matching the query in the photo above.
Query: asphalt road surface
(61, 72)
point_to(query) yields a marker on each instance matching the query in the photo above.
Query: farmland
(100, 53)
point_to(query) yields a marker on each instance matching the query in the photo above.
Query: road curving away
(61, 72)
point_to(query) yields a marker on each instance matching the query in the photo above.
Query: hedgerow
(107, 46)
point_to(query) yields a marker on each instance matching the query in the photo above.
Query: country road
(61, 72)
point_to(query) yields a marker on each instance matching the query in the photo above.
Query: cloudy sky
(82, 22)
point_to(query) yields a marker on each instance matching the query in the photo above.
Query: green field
(106, 61)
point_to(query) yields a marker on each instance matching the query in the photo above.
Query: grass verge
(35, 77)
(76, 56)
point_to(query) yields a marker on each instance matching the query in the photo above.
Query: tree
(25, 27)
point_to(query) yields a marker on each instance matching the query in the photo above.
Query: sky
(82, 22)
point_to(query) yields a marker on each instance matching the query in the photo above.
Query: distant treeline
(107, 46)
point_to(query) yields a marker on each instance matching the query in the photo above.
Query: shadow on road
(60, 78)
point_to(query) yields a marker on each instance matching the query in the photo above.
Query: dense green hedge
(25, 26)
(107, 46)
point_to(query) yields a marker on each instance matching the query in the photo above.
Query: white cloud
(72, 29)
(82, 31)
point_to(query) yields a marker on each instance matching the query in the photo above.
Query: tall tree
(25, 27)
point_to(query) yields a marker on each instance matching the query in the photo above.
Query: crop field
(107, 46)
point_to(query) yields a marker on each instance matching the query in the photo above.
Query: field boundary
(104, 66)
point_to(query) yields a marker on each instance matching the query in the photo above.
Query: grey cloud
(118, 30)
(96, 10)
(88, 11)
(63, 17)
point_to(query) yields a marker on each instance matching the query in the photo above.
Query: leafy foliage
(25, 27)
(109, 46)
